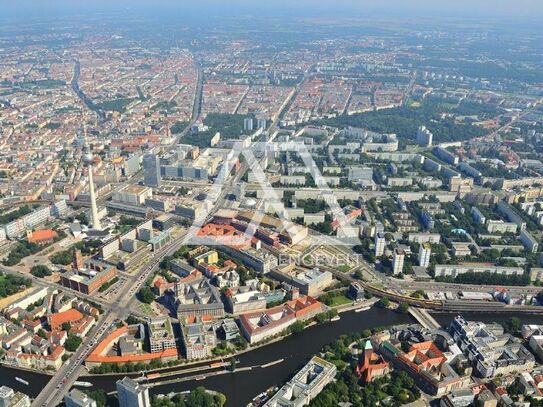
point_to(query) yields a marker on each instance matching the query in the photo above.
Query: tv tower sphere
(88, 159)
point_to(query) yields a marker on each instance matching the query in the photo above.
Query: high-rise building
(425, 251)
(380, 243)
(132, 394)
(424, 137)
(76, 398)
(151, 170)
(10, 398)
(397, 263)
(248, 124)
(261, 124)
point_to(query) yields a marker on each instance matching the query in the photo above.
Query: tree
(296, 327)
(98, 395)
(146, 295)
(221, 399)
(166, 262)
(241, 343)
(418, 294)
(384, 302)
(10, 284)
(40, 271)
(82, 218)
(66, 326)
(63, 258)
(513, 325)
(323, 227)
(403, 307)
(132, 320)
(72, 343)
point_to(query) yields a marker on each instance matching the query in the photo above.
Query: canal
(240, 387)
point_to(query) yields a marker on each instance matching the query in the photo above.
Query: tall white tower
(88, 161)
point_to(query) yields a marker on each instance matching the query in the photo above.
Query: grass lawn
(146, 309)
(340, 300)
(344, 268)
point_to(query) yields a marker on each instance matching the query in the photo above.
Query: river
(241, 387)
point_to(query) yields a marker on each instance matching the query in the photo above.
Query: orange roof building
(41, 236)
(100, 354)
(226, 234)
(57, 319)
(428, 366)
(259, 325)
(371, 365)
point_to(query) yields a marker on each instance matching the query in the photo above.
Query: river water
(241, 387)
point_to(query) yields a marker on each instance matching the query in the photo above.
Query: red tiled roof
(42, 235)
(72, 315)
(97, 357)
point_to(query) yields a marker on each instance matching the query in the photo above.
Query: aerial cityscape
(290, 204)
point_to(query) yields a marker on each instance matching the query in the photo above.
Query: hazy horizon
(490, 9)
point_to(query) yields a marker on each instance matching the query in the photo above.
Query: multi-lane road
(118, 310)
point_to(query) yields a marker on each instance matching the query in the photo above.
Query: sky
(516, 9)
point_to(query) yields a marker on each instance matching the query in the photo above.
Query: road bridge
(424, 318)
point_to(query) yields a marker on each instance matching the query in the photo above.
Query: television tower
(88, 160)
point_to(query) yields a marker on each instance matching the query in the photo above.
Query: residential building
(229, 329)
(458, 398)
(510, 214)
(248, 124)
(11, 398)
(309, 282)
(536, 345)
(499, 226)
(477, 216)
(76, 398)
(424, 137)
(490, 351)
(425, 252)
(528, 241)
(445, 155)
(132, 394)
(257, 326)
(37, 217)
(452, 270)
(380, 244)
(355, 291)
(132, 195)
(427, 220)
(487, 399)
(305, 385)
(161, 335)
(198, 340)
(397, 262)
(433, 238)
(257, 259)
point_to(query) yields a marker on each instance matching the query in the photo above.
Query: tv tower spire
(88, 160)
